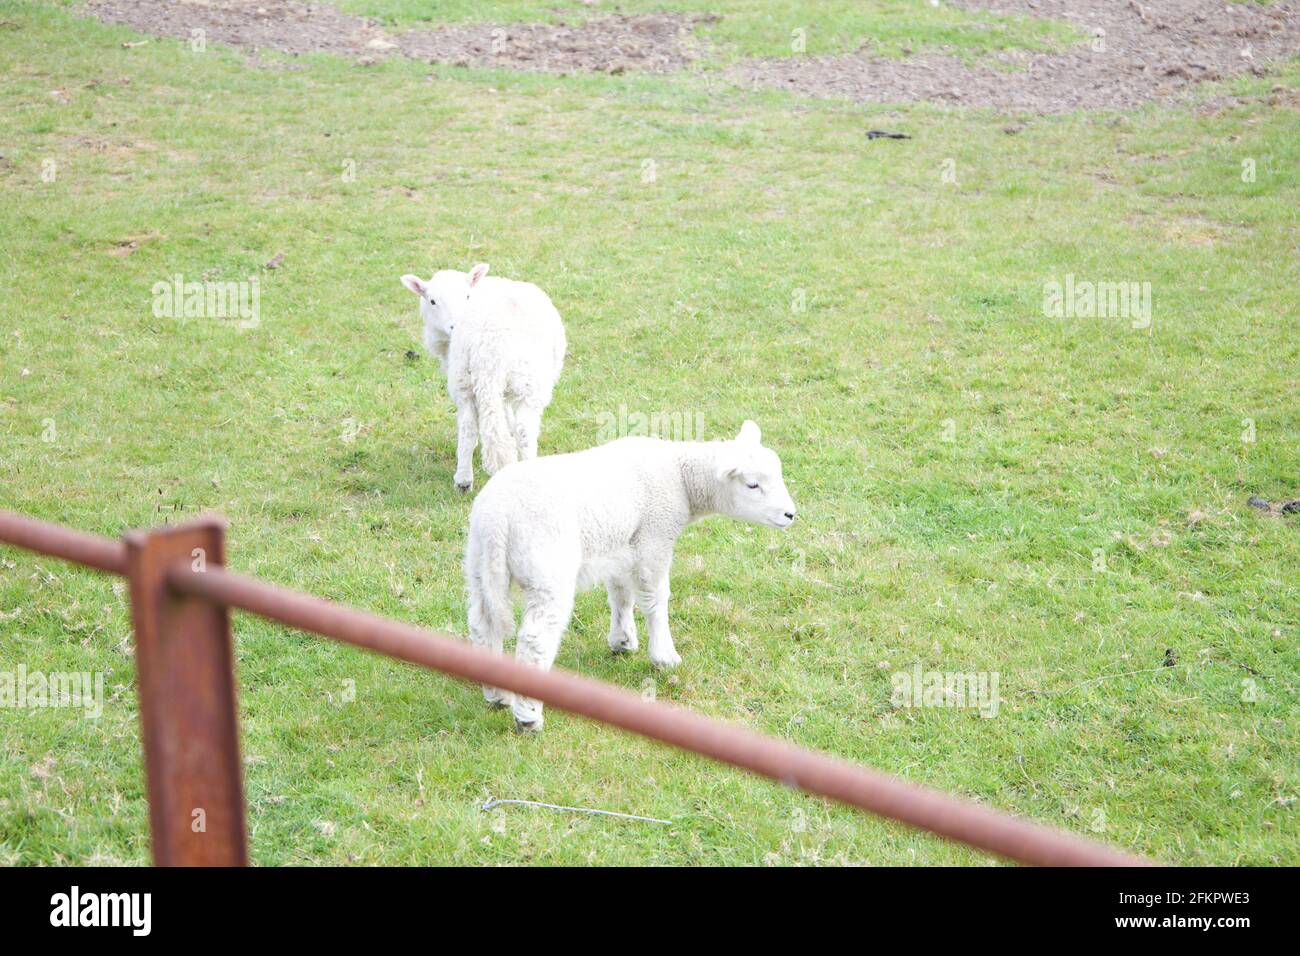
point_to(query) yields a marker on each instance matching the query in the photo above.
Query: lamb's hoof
(464, 486)
(666, 663)
(528, 726)
(497, 698)
(627, 647)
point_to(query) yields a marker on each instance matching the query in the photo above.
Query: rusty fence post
(188, 718)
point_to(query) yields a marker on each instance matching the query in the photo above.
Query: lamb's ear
(749, 433)
(728, 468)
(415, 284)
(478, 272)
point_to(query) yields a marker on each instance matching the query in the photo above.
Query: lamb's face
(444, 298)
(752, 487)
(438, 298)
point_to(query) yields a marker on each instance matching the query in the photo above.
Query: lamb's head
(750, 485)
(443, 298)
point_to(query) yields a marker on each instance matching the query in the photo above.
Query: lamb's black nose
(790, 515)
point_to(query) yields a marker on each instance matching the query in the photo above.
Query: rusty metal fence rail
(181, 596)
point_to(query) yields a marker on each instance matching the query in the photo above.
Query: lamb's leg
(622, 621)
(652, 598)
(546, 615)
(466, 442)
(528, 428)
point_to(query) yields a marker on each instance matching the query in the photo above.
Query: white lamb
(501, 344)
(609, 514)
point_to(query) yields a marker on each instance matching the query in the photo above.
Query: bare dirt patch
(655, 43)
(1137, 52)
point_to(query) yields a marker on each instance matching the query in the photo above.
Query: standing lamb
(501, 344)
(609, 514)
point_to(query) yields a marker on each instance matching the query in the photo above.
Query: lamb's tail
(491, 615)
(494, 428)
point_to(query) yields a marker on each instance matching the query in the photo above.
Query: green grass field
(982, 487)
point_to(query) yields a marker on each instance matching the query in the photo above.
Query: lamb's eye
(431, 302)
(751, 486)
